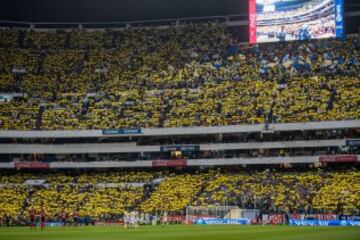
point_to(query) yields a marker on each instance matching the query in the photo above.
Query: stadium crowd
(272, 191)
(192, 75)
(105, 196)
(91, 195)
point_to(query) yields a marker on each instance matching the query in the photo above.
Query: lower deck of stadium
(105, 196)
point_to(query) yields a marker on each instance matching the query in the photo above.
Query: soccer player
(63, 216)
(142, 219)
(7, 220)
(75, 215)
(126, 219)
(154, 219)
(32, 214)
(164, 219)
(136, 219)
(42, 218)
(132, 219)
(147, 219)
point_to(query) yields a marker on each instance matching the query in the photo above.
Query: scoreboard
(288, 20)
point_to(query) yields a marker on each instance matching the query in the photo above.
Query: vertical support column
(227, 20)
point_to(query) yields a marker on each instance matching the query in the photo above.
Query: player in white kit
(126, 219)
(164, 219)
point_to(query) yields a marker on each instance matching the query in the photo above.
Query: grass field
(182, 232)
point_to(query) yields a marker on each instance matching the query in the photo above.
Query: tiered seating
(12, 200)
(290, 192)
(90, 194)
(174, 193)
(44, 40)
(18, 115)
(188, 76)
(339, 190)
(28, 59)
(97, 195)
(9, 38)
(57, 197)
(111, 201)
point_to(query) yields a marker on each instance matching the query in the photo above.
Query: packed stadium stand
(155, 78)
(97, 196)
(100, 122)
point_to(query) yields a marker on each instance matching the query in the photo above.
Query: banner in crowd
(122, 131)
(157, 180)
(170, 163)
(295, 222)
(5, 97)
(183, 148)
(35, 182)
(32, 165)
(120, 185)
(339, 19)
(241, 221)
(19, 70)
(338, 158)
(252, 21)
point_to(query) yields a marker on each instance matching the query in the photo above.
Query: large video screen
(288, 20)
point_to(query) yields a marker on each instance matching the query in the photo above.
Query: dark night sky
(117, 10)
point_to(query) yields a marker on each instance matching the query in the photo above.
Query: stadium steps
(27, 200)
(18, 80)
(67, 41)
(39, 118)
(113, 39)
(165, 111)
(202, 189)
(148, 191)
(332, 99)
(40, 69)
(270, 117)
(21, 38)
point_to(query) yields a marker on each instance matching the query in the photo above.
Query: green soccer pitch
(183, 232)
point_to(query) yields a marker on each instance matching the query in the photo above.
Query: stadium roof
(115, 10)
(118, 10)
